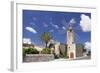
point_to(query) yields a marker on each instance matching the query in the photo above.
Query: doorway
(71, 55)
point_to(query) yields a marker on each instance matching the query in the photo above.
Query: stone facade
(71, 46)
(79, 50)
(57, 52)
(63, 50)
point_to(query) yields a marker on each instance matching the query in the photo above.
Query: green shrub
(63, 55)
(30, 51)
(46, 51)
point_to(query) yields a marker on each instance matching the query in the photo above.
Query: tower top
(71, 22)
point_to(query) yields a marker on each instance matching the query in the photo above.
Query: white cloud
(32, 23)
(63, 28)
(44, 24)
(56, 26)
(85, 23)
(88, 45)
(27, 40)
(34, 18)
(72, 21)
(31, 30)
(51, 30)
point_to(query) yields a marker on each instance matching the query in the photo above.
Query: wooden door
(71, 55)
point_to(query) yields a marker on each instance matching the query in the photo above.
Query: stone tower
(71, 46)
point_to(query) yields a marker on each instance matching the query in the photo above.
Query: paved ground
(78, 58)
(51, 58)
(84, 57)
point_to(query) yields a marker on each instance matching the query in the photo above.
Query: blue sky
(37, 22)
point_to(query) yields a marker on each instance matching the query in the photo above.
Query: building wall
(71, 44)
(57, 52)
(63, 50)
(71, 49)
(79, 50)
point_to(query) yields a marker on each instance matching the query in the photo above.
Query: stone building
(63, 50)
(26, 45)
(79, 50)
(73, 49)
(71, 46)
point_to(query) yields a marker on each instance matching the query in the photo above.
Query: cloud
(51, 30)
(31, 30)
(85, 23)
(32, 23)
(44, 24)
(63, 28)
(34, 18)
(88, 45)
(27, 40)
(72, 21)
(56, 26)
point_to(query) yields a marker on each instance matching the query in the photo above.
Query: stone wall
(79, 50)
(38, 57)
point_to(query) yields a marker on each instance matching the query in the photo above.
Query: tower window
(70, 30)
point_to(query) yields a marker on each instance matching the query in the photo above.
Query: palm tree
(46, 37)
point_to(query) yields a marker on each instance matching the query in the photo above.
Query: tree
(46, 51)
(30, 51)
(46, 37)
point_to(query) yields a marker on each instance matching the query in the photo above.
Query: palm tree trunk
(46, 44)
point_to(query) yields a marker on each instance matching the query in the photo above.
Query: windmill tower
(71, 46)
